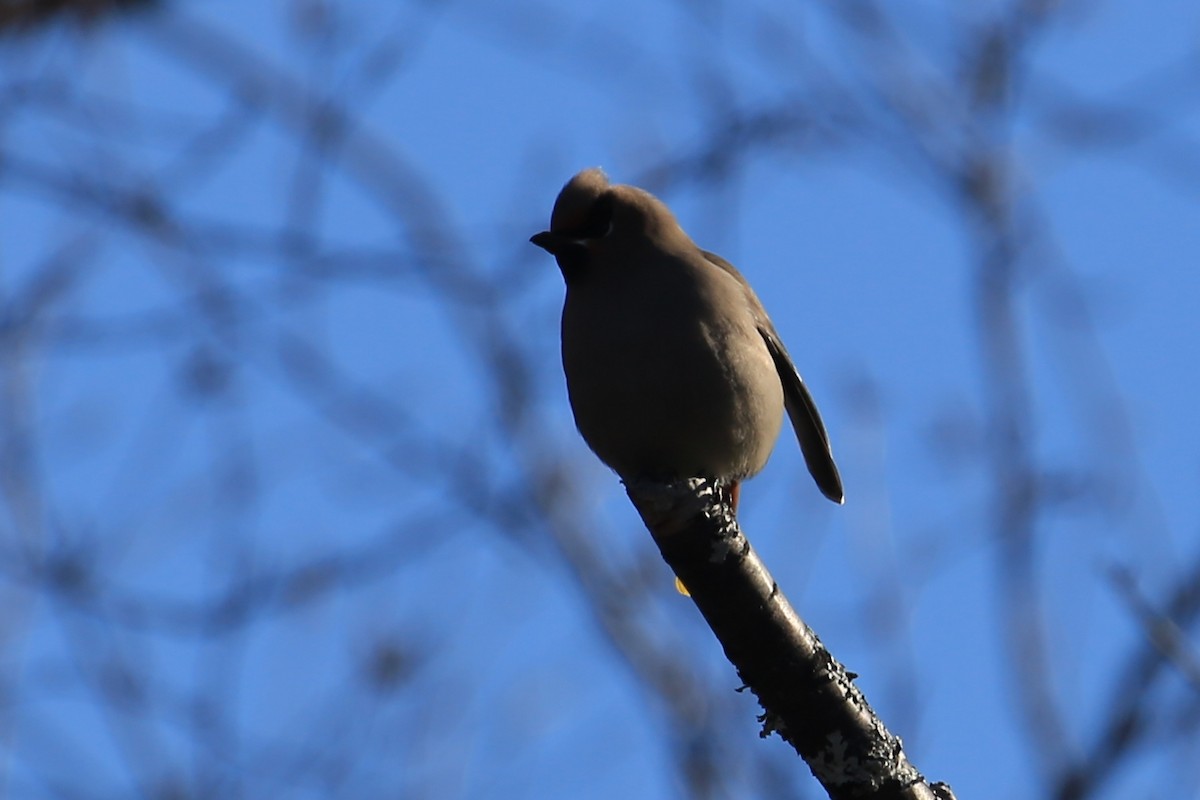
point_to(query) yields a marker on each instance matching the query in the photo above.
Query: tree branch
(808, 697)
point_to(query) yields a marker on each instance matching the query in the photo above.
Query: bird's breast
(668, 384)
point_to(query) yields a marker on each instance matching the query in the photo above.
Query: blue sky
(172, 495)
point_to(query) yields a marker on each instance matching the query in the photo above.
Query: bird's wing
(801, 409)
(810, 431)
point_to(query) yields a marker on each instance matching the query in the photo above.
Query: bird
(673, 368)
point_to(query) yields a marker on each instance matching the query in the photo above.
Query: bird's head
(618, 224)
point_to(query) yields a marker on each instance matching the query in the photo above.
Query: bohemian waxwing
(673, 368)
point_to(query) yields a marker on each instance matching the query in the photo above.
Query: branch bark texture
(808, 697)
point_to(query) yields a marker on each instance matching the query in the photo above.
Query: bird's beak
(571, 254)
(552, 243)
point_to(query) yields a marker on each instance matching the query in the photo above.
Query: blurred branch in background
(291, 506)
(23, 17)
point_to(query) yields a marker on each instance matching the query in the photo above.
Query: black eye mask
(599, 219)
